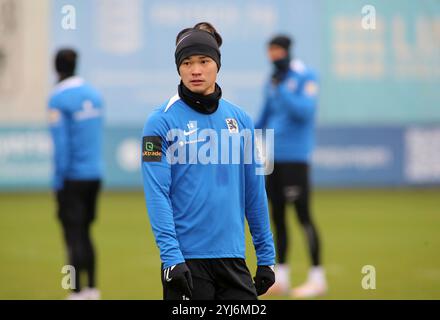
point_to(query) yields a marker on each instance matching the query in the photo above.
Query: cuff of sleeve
(58, 183)
(171, 263)
(265, 262)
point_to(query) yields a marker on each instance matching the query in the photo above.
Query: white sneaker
(278, 289)
(76, 296)
(315, 286)
(91, 294)
(282, 280)
(309, 290)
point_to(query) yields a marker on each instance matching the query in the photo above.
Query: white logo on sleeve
(87, 112)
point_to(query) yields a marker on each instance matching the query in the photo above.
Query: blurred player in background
(197, 210)
(289, 108)
(75, 117)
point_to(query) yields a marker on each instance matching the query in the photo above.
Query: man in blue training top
(75, 119)
(289, 109)
(197, 197)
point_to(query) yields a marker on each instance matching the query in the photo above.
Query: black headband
(196, 42)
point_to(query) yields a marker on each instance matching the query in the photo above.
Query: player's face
(198, 74)
(276, 53)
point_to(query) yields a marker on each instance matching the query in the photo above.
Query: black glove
(264, 279)
(178, 277)
(282, 67)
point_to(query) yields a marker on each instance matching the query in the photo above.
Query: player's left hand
(264, 279)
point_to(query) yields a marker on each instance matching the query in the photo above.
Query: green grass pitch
(395, 230)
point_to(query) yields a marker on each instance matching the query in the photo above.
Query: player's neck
(206, 104)
(64, 76)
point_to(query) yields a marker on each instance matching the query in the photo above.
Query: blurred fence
(345, 156)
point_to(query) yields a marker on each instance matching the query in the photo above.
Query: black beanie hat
(282, 41)
(195, 42)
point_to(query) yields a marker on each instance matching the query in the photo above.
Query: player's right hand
(179, 278)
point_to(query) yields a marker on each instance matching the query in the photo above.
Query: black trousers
(216, 279)
(76, 212)
(289, 183)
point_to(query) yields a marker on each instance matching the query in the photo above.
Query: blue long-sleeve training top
(289, 109)
(75, 120)
(196, 201)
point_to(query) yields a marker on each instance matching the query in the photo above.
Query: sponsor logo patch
(151, 149)
(54, 116)
(311, 88)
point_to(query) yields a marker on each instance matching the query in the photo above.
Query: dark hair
(206, 26)
(65, 61)
(210, 28)
(282, 41)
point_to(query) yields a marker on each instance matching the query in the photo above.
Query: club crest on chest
(232, 125)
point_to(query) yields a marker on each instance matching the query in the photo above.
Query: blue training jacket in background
(289, 109)
(198, 210)
(75, 119)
